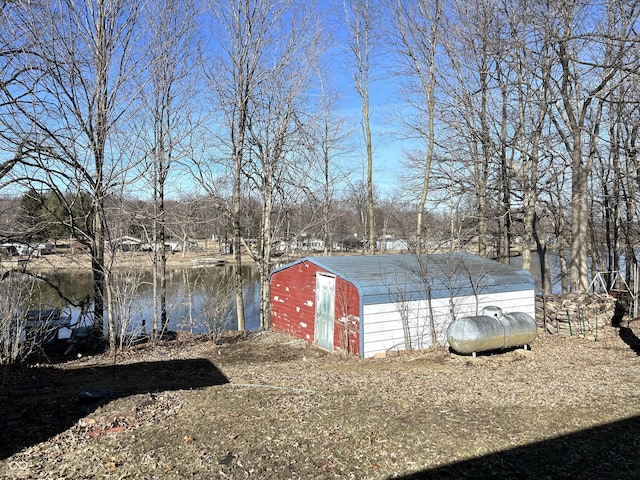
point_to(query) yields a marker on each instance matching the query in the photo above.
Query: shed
(368, 305)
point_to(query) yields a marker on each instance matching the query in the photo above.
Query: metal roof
(394, 278)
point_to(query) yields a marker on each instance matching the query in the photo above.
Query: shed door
(325, 310)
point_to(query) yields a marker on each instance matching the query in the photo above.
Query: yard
(263, 405)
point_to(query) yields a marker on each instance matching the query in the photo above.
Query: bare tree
(417, 26)
(123, 306)
(524, 76)
(261, 79)
(471, 46)
(73, 98)
(12, 44)
(590, 55)
(331, 134)
(360, 18)
(276, 128)
(17, 338)
(625, 128)
(169, 108)
(240, 29)
(216, 305)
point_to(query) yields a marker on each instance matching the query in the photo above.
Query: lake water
(554, 267)
(190, 291)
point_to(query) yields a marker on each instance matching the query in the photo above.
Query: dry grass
(267, 406)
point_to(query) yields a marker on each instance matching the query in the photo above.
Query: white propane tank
(492, 330)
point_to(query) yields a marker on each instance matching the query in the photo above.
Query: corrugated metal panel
(383, 328)
(386, 278)
(293, 305)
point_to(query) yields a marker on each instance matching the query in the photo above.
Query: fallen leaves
(364, 419)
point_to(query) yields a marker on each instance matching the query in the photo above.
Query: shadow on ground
(44, 401)
(630, 338)
(626, 333)
(610, 451)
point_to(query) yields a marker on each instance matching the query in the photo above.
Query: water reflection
(189, 291)
(554, 268)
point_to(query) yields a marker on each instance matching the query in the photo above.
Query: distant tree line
(34, 218)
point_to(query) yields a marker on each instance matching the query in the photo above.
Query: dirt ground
(266, 406)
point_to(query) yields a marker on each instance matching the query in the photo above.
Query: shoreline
(82, 261)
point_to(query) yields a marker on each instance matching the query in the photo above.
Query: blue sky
(387, 149)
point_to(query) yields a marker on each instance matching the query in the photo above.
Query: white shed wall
(382, 324)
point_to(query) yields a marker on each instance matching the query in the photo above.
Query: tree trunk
(265, 257)
(237, 240)
(541, 249)
(579, 224)
(483, 161)
(97, 268)
(370, 201)
(156, 275)
(326, 225)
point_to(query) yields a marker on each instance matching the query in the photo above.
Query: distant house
(303, 244)
(190, 245)
(127, 244)
(44, 248)
(391, 244)
(280, 245)
(368, 305)
(174, 246)
(313, 245)
(13, 249)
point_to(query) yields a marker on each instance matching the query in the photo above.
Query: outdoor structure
(393, 245)
(13, 249)
(367, 305)
(492, 330)
(127, 244)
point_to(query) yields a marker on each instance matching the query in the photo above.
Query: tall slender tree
(416, 32)
(330, 134)
(261, 76)
(591, 53)
(170, 107)
(239, 32)
(361, 18)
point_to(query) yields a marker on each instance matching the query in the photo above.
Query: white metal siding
(382, 324)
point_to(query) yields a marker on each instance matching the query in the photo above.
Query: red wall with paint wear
(293, 297)
(346, 333)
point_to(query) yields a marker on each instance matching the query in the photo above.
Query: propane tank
(492, 330)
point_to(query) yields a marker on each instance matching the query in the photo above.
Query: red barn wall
(293, 298)
(346, 332)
